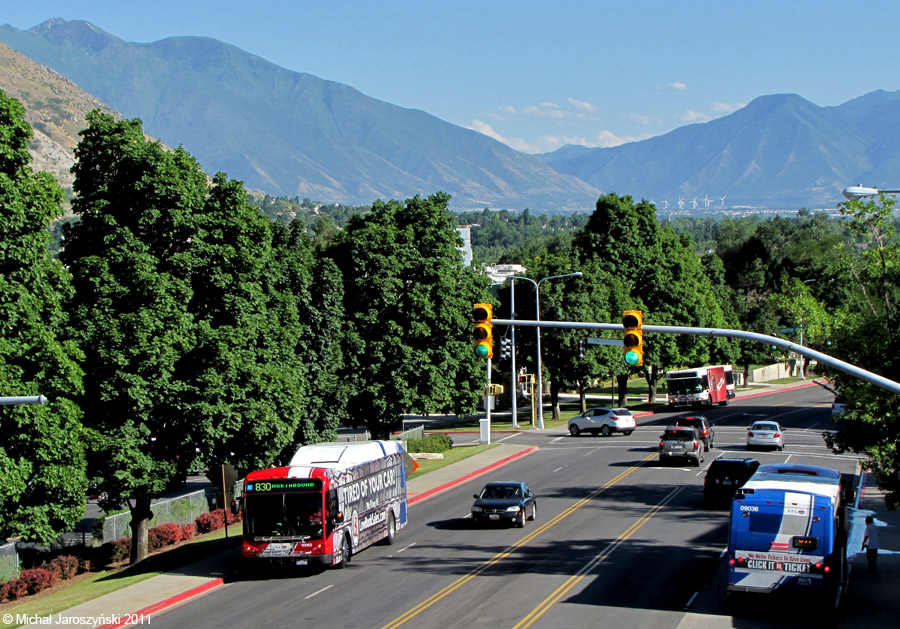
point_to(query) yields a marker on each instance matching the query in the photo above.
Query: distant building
(466, 234)
(499, 273)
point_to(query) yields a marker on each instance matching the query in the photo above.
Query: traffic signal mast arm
(766, 339)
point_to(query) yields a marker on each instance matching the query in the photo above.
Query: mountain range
(290, 133)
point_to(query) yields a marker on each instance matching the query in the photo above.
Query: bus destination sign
(284, 485)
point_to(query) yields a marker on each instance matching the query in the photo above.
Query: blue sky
(539, 74)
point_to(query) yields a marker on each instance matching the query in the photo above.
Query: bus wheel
(344, 552)
(391, 528)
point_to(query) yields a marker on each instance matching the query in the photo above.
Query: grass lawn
(450, 456)
(89, 586)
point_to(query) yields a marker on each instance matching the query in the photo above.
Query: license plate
(726, 482)
(494, 517)
(804, 580)
(302, 562)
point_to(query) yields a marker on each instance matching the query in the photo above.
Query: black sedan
(510, 501)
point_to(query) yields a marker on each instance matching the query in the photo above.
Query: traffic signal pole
(766, 339)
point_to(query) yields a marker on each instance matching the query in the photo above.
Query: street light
(855, 193)
(537, 317)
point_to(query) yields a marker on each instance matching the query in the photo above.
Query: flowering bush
(36, 579)
(68, 566)
(164, 535)
(188, 531)
(13, 590)
(211, 521)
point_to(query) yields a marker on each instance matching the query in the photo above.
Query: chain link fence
(9, 561)
(182, 510)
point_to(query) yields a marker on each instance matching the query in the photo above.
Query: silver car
(602, 421)
(765, 434)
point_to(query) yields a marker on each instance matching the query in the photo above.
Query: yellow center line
(576, 578)
(440, 594)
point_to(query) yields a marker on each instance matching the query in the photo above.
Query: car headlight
(477, 509)
(513, 509)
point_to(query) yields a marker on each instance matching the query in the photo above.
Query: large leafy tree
(244, 374)
(129, 256)
(659, 273)
(41, 447)
(408, 307)
(867, 335)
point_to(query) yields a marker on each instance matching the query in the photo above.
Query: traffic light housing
(633, 340)
(505, 348)
(483, 332)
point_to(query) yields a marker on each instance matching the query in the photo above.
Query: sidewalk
(165, 590)
(872, 600)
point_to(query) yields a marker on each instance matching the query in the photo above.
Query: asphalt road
(619, 541)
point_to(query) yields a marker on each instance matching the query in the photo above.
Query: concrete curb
(139, 616)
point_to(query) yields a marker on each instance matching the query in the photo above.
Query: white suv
(602, 421)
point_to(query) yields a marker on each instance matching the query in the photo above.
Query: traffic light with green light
(632, 320)
(483, 331)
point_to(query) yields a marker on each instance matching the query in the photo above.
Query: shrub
(114, 552)
(55, 571)
(68, 566)
(435, 442)
(15, 589)
(36, 579)
(188, 531)
(211, 521)
(164, 535)
(3, 588)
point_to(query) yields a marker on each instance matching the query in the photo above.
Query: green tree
(42, 452)
(659, 273)
(130, 259)
(866, 335)
(408, 303)
(244, 374)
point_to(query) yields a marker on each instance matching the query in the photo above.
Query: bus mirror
(235, 507)
(338, 517)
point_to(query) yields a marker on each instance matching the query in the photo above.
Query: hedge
(435, 442)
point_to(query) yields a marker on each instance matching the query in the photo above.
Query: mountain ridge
(291, 133)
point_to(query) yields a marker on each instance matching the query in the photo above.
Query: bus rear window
(764, 522)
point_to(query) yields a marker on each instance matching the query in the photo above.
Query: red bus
(703, 386)
(331, 501)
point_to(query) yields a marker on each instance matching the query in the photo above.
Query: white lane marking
(557, 469)
(691, 600)
(411, 545)
(327, 587)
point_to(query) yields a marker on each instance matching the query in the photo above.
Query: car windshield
(764, 427)
(500, 492)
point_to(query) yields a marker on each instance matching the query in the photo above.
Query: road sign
(596, 341)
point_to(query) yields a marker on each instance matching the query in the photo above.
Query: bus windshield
(296, 515)
(683, 386)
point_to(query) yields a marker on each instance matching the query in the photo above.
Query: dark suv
(724, 476)
(704, 428)
(680, 442)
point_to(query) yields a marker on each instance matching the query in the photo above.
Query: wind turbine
(667, 204)
(706, 200)
(680, 203)
(722, 199)
(695, 202)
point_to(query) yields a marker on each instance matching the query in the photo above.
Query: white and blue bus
(786, 532)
